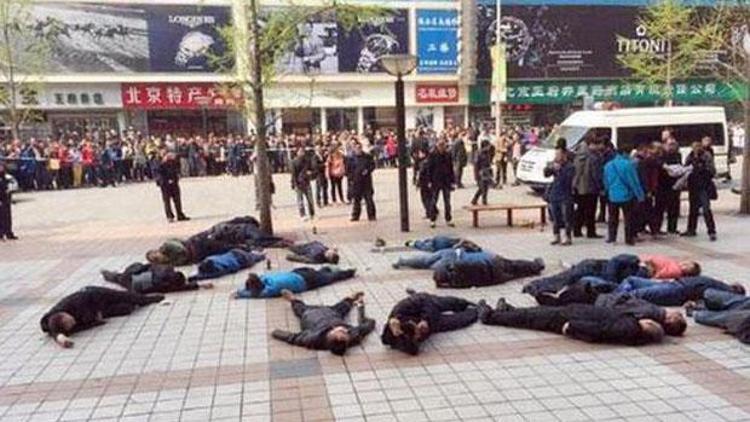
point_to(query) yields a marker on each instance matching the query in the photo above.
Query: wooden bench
(508, 208)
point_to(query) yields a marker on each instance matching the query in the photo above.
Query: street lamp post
(399, 65)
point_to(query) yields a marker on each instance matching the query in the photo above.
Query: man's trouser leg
(447, 203)
(518, 268)
(356, 205)
(694, 201)
(425, 194)
(310, 201)
(539, 318)
(166, 198)
(298, 307)
(708, 215)
(555, 283)
(370, 204)
(425, 261)
(635, 283)
(300, 201)
(673, 210)
(719, 300)
(720, 319)
(177, 198)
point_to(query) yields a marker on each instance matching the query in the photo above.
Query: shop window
(85, 99)
(72, 99)
(454, 116)
(339, 119)
(59, 99)
(98, 99)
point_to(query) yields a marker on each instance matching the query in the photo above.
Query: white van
(628, 126)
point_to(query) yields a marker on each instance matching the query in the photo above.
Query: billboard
(183, 38)
(560, 41)
(109, 37)
(360, 48)
(437, 41)
(315, 48)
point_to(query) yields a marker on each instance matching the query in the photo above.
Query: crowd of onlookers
(105, 158)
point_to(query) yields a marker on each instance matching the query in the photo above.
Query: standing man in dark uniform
(168, 179)
(440, 168)
(460, 159)
(362, 167)
(668, 199)
(6, 218)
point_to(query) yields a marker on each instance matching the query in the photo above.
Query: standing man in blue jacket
(624, 190)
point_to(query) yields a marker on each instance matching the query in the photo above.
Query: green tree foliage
(257, 42)
(23, 53)
(677, 46)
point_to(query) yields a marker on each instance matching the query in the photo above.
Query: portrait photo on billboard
(314, 50)
(186, 38)
(361, 47)
(555, 41)
(90, 37)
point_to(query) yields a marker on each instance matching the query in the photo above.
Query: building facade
(146, 65)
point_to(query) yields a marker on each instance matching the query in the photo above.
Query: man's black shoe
(183, 218)
(688, 234)
(595, 236)
(484, 310)
(11, 236)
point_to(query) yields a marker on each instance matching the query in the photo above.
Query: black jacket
(459, 153)
(628, 304)
(462, 274)
(596, 324)
(302, 172)
(91, 304)
(704, 170)
(317, 321)
(4, 190)
(362, 167)
(440, 167)
(168, 173)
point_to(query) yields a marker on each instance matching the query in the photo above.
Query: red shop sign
(432, 93)
(159, 96)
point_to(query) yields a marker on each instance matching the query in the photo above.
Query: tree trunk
(258, 117)
(745, 188)
(13, 118)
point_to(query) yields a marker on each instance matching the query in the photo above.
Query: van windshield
(572, 134)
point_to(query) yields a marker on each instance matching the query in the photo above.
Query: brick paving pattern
(200, 356)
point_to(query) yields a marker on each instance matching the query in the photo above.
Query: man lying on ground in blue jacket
(440, 242)
(313, 253)
(230, 262)
(674, 293)
(296, 281)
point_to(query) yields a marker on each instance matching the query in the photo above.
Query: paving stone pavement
(201, 356)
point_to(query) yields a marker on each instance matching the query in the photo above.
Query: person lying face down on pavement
(297, 280)
(88, 308)
(415, 318)
(314, 252)
(590, 290)
(440, 242)
(240, 232)
(593, 324)
(464, 273)
(230, 262)
(325, 327)
(613, 270)
(152, 278)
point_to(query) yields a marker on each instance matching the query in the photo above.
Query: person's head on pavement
(155, 256)
(331, 255)
(254, 284)
(690, 268)
(674, 323)
(651, 330)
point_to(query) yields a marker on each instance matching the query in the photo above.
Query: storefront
(182, 109)
(336, 106)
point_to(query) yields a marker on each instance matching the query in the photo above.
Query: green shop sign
(563, 92)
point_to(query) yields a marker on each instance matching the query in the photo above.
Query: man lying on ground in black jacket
(325, 327)
(87, 308)
(419, 315)
(152, 278)
(594, 324)
(313, 253)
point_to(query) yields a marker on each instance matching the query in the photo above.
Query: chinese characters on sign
(564, 92)
(178, 96)
(437, 41)
(437, 93)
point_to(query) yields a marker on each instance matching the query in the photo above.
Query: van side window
(684, 134)
(603, 133)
